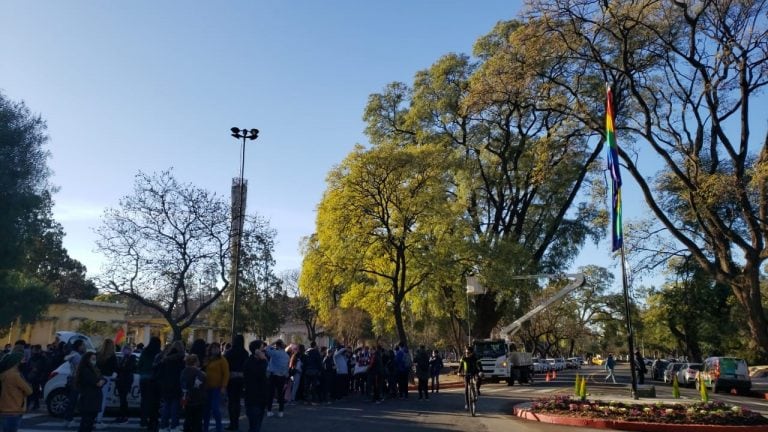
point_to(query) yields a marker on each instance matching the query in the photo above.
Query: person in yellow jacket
(216, 380)
(13, 398)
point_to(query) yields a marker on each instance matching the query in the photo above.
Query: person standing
(236, 358)
(15, 390)
(150, 402)
(277, 368)
(106, 362)
(403, 366)
(168, 368)
(610, 364)
(640, 367)
(216, 380)
(126, 368)
(422, 371)
(313, 366)
(328, 377)
(341, 387)
(89, 383)
(256, 386)
(73, 358)
(435, 367)
(193, 390)
(36, 374)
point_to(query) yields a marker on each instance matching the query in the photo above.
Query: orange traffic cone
(548, 377)
(554, 374)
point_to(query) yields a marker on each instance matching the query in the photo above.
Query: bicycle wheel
(473, 399)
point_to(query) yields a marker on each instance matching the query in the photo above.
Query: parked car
(759, 379)
(55, 392)
(69, 338)
(573, 363)
(540, 366)
(657, 369)
(672, 369)
(687, 374)
(557, 364)
(725, 373)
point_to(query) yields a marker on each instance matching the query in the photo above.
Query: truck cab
(501, 361)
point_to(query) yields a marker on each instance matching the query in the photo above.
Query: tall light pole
(239, 221)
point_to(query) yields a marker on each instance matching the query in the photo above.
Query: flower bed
(701, 413)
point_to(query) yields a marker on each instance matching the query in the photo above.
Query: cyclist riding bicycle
(470, 366)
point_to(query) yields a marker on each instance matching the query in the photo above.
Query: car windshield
(490, 349)
(694, 366)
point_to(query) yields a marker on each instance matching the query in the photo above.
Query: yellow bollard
(703, 389)
(583, 389)
(675, 387)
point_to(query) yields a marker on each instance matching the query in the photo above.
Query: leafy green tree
(685, 76)
(34, 266)
(167, 247)
(383, 212)
(24, 298)
(521, 163)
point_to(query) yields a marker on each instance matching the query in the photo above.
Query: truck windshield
(490, 349)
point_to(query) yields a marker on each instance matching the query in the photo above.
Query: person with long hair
(150, 402)
(106, 362)
(169, 367)
(89, 383)
(216, 380)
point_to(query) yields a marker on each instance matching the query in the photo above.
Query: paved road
(443, 412)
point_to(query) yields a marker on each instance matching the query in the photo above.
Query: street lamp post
(245, 135)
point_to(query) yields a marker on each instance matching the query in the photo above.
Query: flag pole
(618, 225)
(630, 335)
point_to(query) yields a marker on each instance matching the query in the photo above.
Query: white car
(56, 394)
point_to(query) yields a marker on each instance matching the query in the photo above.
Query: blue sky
(147, 85)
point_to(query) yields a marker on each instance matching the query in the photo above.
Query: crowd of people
(196, 380)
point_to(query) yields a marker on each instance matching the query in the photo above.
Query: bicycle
(470, 393)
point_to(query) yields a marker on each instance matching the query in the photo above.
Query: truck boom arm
(577, 280)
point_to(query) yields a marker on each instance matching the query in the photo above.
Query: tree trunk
(747, 291)
(399, 326)
(176, 331)
(486, 316)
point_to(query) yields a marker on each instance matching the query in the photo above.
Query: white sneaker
(280, 414)
(69, 424)
(270, 414)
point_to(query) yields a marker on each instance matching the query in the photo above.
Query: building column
(209, 336)
(146, 335)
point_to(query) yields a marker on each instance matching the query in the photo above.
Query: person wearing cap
(15, 390)
(256, 387)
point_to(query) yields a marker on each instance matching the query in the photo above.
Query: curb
(632, 426)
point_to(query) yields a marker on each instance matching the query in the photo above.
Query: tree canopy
(167, 246)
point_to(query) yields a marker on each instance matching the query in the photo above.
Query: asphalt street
(442, 412)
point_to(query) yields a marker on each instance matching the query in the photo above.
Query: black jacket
(236, 358)
(90, 393)
(126, 367)
(255, 380)
(169, 369)
(314, 361)
(193, 382)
